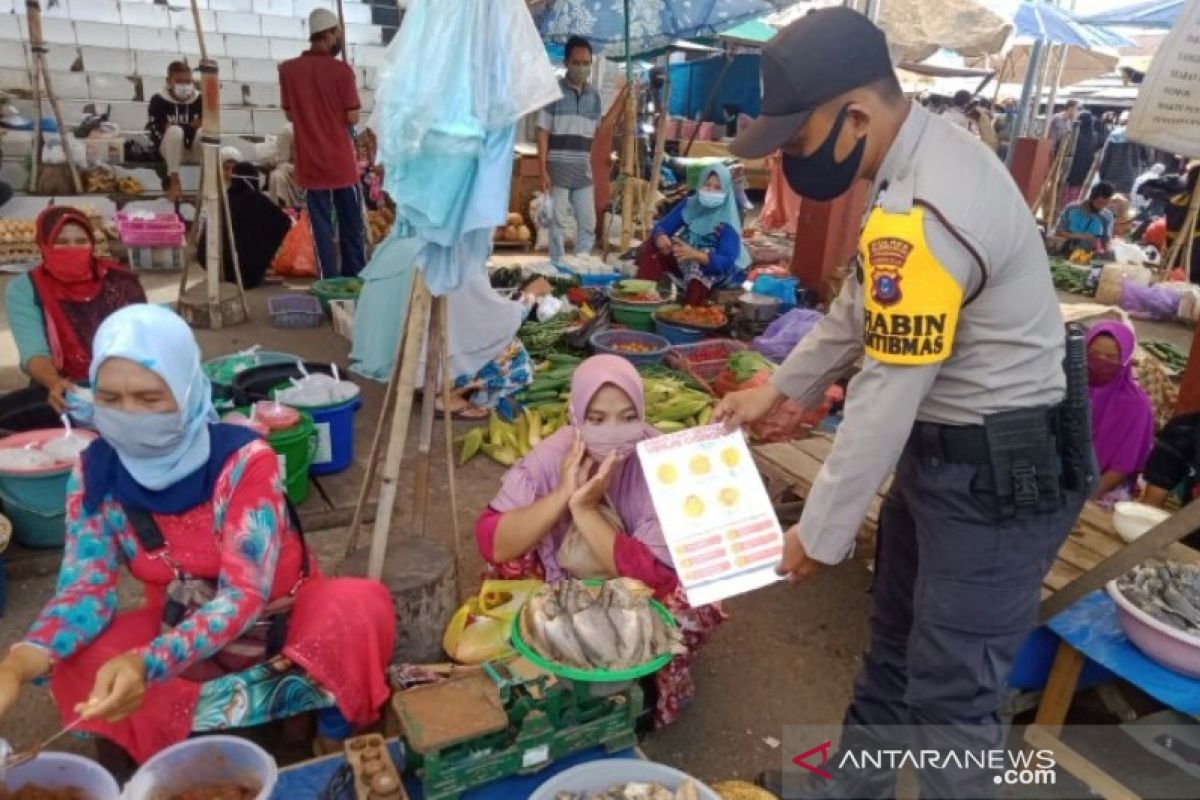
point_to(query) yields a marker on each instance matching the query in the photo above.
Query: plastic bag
(295, 257)
(317, 390)
(478, 631)
(787, 422)
(782, 335)
(1149, 302)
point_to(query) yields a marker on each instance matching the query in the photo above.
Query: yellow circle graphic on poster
(731, 457)
(729, 497)
(693, 506)
(667, 473)
(700, 465)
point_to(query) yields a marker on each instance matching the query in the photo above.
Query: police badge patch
(885, 287)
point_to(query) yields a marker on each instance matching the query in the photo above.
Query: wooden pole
(433, 357)
(233, 253)
(37, 47)
(627, 168)
(448, 426)
(342, 26)
(1184, 241)
(414, 336)
(210, 176)
(660, 145)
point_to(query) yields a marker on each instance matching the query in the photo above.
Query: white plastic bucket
(206, 760)
(64, 771)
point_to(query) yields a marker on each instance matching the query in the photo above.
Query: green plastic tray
(592, 675)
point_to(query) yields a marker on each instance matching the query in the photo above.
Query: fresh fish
(595, 630)
(622, 608)
(1169, 592)
(561, 637)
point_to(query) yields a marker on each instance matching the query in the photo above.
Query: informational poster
(714, 510)
(1167, 112)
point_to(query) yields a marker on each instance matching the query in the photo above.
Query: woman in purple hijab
(578, 506)
(1122, 416)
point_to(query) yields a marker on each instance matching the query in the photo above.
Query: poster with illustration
(715, 514)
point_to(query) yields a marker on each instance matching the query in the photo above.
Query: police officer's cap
(818, 57)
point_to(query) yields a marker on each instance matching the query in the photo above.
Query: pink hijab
(1122, 416)
(538, 474)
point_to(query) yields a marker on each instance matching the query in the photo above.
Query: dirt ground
(786, 656)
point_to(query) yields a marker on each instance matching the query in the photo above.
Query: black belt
(959, 444)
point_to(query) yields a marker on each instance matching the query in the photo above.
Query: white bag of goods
(317, 390)
(24, 459)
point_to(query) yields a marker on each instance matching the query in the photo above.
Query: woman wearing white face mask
(175, 117)
(195, 510)
(578, 506)
(699, 243)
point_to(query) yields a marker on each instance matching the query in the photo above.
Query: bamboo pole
(448, 426)
(433, 357)
(630, 142)
(1185, 240)
(418, 325)
(37, 47)
(233, 253)
(660, 145)
(34, 19)
(342, 27)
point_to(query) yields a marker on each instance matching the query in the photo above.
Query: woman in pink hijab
(578, 506)
(1122, 416)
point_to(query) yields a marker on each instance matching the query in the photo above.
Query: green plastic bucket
(36, 505)
(336, 289)
(295, 448)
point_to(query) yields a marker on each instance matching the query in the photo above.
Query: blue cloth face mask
(710, 198)
(140, 435)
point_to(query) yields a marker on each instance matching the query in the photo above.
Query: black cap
(823, 54)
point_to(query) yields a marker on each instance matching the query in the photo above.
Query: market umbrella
(1057, 25)
(1155, 14)
(915, 29)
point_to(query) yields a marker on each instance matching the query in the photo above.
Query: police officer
(951, 309)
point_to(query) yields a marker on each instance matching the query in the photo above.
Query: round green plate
(594, 675)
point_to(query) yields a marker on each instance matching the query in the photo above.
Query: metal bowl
(757, 307)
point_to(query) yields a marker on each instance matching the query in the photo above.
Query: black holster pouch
(1024, 455)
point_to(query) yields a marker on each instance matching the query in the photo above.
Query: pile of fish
(608, 627)
(1169, 592)
(636, 791)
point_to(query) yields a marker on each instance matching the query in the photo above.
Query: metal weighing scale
(509, 718)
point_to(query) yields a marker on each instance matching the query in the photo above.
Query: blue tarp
(692, 82)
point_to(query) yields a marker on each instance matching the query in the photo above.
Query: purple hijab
(1122, 417)
(538, 474)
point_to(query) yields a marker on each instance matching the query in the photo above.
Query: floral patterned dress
(340, 633)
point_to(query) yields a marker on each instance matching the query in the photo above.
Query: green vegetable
(746, 364)
(471, 444)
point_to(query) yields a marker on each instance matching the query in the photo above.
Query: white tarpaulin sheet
(1167, 112)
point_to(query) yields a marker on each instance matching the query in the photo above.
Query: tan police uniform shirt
(1007, 349)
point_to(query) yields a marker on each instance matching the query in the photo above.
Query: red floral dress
(340, 633)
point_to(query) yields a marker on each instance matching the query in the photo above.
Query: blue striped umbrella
(1050, 23)
(1158, 14)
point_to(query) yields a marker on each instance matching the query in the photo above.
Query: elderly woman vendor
(698, 244)
(578, 506)
(195, 510)
(55, 309)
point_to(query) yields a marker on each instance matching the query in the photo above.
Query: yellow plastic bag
(478, 631)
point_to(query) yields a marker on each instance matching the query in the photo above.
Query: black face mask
(818, 176)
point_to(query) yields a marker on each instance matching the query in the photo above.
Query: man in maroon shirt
(320, 100)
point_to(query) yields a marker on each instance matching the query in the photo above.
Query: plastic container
(36, 501)
(590, 278)
(64, 771)
(336, 289)
(209, 759)
(702, 362)
(223, 369)
(296, 447)
(677, 335)
(639, 317)
(164, 229)
(256, 383)
(295, 310)
(598, 776)
(334, 426)
(1169, 646)
(607, 341)
(1133, 519)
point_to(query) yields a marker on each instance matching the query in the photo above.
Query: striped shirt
(571, 122)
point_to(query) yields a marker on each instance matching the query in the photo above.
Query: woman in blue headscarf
(195, 510)
(699, 243)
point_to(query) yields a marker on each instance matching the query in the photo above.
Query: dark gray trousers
(956, 592)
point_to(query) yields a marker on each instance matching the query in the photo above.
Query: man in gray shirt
(951, 309)
(566, 128)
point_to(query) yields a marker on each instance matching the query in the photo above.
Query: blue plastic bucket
(36, 505)
(676, 334)
(335, 436)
